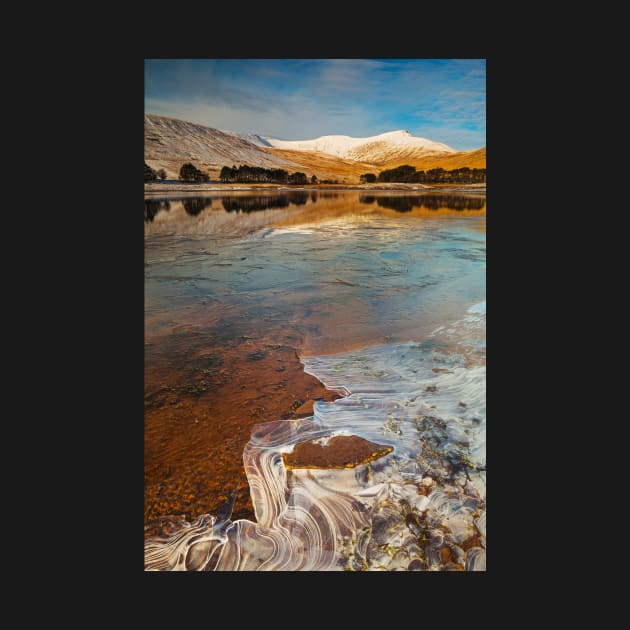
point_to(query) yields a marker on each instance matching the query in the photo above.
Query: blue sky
(299, 99)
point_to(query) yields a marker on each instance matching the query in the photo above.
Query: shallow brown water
(204, 393)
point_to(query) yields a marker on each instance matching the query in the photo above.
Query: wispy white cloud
(303, 123)
(353, 76)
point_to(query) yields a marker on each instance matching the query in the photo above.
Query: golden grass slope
(449, 161)
(333, 168)
(325, 166)
(347, 171)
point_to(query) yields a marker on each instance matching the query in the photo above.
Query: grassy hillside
(471, 159)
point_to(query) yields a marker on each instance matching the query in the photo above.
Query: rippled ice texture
(422, 507)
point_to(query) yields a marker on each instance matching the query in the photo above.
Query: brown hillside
(471, 159)
(330, 167)
(325, 166)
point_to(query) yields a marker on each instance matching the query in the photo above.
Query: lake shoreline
(174, 186)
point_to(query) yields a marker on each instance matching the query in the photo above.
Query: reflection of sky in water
(342, 280)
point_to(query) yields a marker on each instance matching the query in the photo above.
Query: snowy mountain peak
(254, 138)
(376, 148)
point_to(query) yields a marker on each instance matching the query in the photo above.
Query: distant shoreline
(175, 186)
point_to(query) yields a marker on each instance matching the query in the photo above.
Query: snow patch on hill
(170, 138)
(372, 147)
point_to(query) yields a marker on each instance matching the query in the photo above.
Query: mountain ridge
(375, 149)
(169, 142)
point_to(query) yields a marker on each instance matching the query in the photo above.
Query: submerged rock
(340, 451)
(305, 408)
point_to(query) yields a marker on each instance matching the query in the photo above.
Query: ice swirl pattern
(419, 504)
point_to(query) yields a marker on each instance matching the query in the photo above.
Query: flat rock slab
(340, 451)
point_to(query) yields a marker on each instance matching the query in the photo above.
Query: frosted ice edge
(422, 507)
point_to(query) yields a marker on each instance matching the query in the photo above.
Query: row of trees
(190, 173)
(408, 174)
(260, 175)
(368, 178)
(151, 174)
(257, 174)
(187, 173)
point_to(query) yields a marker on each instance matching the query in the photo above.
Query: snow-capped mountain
(169, 142)
(375, 149)
(172, 139)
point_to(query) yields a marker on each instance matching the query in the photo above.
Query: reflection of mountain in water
(264, 202)
(153, 206)
(430, 202)
(252, 203)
